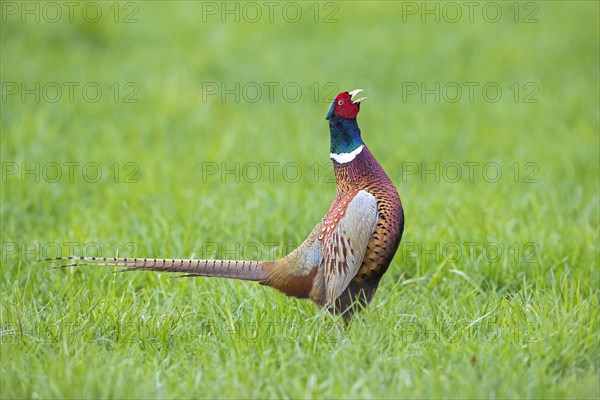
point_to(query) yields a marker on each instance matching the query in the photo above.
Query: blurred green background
(185, 88)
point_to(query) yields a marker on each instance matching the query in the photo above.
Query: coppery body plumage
(366, 173)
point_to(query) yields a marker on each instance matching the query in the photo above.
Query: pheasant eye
(340, 102)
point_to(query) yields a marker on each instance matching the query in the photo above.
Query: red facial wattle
(344, 106)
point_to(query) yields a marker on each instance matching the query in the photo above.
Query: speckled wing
(344, 247)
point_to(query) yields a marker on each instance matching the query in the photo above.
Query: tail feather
(233, 269)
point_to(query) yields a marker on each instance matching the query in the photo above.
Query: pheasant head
(344, 105)
(346, 142)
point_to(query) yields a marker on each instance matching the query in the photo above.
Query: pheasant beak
(354, 93)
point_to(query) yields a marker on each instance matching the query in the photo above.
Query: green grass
(465, 324)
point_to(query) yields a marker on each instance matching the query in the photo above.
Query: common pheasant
(340, 264)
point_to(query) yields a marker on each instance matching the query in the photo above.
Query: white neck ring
(345, 158)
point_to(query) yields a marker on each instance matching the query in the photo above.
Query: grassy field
(198, 129)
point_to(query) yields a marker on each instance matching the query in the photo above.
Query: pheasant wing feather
(345, 247)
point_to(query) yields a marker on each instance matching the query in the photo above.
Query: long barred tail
(233, 269)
